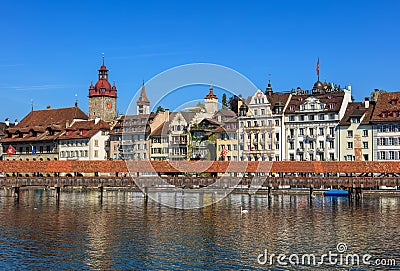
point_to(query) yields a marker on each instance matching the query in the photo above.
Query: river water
(124, 232)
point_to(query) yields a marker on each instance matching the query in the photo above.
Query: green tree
(160, 109)
(224, 101)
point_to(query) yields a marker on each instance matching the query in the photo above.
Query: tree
(160, 109)
(201, 105)
(375, 94)
(233, 103)
(224, 101)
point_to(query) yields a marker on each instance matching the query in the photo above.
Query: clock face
(109, 104)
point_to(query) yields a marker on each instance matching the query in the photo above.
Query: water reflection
(123, 232)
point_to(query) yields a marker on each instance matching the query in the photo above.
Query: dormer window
(395, 114)
(331, 105)
(393, 101)
(384, 114)
(330, 97)
(292, 107)
(300, 99)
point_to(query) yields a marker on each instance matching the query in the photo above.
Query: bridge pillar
(101, 189)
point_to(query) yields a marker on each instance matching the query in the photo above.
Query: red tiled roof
(84, 129)
(387, 107)
(42, 125)
(335, 98)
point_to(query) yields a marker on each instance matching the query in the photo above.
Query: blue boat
(336, 193)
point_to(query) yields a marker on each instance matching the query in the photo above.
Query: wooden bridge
(183, 174)
(198, 182)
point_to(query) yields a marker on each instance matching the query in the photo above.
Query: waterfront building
(386, 127)
(227, 135)
(355, 132)
(115, 138)
(136, 129)
(260, 126)
(35, 137)
(204, 140)
(85, 140)
(159, 136)
(103, 97)
(179, 134)
(311, 121)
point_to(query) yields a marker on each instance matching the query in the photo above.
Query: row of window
(311, 157)
(312, 117)
(388, 128)
(364, 145)
(350, 133)
(388, 155)
(388, 141)
(77, 154)
(331, 145)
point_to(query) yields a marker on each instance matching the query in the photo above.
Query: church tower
(211, 102)
(143, 104)
(103, 97)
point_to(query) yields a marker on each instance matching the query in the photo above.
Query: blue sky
(51, 50)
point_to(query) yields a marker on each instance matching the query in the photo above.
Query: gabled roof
(84, 129)
(387, 107)
(335, 98)
(276, 98)
(43, 125)
(51, 117)
(357, 110)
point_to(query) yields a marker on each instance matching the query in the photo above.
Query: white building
(311, 122)
(386, 127)
(84, 140)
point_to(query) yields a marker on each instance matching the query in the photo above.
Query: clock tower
(103, 97)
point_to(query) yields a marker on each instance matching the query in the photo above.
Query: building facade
(36, 136)
(85, 140)
(386, 127)
(311, 121)
(355, 132)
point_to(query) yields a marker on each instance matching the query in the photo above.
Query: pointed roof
(102, 87)
(211, 94)
(143, 97)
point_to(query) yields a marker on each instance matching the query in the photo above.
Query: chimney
(166, 114)
(219, 118)
(48, 107)
(16, 122)
(7, 122)
(366, 102)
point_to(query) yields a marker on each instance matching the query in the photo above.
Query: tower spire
(102, 56)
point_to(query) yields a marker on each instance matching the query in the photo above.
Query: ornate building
(103, 97)
(311, 122)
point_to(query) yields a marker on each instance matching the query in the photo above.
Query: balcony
(320, 150)
(310, 137)
(299, 150)
(290, 138)
(330, 137)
